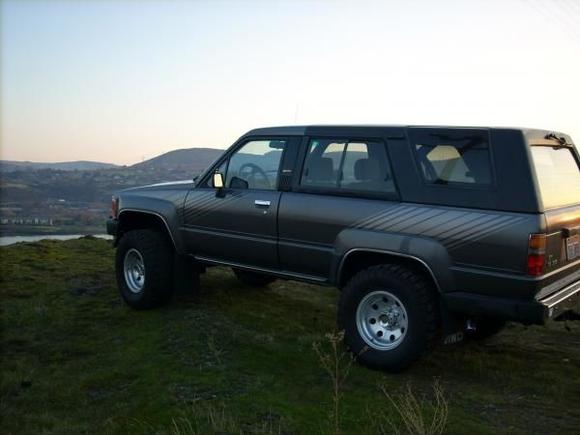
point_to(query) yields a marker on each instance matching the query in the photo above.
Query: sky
(122, 81)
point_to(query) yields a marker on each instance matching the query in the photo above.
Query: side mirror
(239, 183)
(218, 180)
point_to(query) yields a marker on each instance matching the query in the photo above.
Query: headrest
(367, 169)
(321, 169)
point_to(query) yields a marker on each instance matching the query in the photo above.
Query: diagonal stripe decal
(435, 213)
(372, 218)
(398, 211)
(470, 227)
(198, 208)
(453, 228)
(482, 235)
(388, 225)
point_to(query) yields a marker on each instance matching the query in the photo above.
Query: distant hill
(192, 160)
(80, 165)
(54, 190)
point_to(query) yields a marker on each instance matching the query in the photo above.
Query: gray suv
(431, 233)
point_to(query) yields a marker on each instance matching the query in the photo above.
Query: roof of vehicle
(532, 135)
(299, 130)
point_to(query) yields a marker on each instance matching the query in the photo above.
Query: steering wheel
(254, 170)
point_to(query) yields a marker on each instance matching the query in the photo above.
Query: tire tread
(158, 255)
(417, 283)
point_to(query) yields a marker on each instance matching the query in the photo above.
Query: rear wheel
(389, 316)
(252, 278)
(143, 264)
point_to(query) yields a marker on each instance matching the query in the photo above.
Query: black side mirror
(239, 183)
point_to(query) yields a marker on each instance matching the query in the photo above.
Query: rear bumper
(535, 311)
(112, 226)
(563, 300)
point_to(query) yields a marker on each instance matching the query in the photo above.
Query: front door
(238, 225)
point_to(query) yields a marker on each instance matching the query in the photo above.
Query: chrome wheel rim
(381, 320)
(134, 270)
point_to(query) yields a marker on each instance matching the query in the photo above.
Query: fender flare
(151, 213)
(428, 252)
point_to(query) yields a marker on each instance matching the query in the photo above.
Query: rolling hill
(193, 160)
(73, 194)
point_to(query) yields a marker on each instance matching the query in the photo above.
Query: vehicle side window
(347, 166)
(323, 163)
(453, 157)
(255, 165)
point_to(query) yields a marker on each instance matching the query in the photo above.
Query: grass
(38, 230)
(412, 412)
(236, 359)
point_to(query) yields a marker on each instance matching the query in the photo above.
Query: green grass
(39, 230)
(236, 359)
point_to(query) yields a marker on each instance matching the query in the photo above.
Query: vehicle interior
(347, 165)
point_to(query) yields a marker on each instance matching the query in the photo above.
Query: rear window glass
(453, 157)
(558, 175)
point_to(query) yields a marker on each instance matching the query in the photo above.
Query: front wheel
(389, 315)
(144, 271)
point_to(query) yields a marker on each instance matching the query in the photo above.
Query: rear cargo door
(557, 171)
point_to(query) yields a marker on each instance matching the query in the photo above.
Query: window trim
(225, 157)
(491, 186)
(339, 191)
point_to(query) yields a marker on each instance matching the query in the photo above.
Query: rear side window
(453, 157)
(558, 175)
(347, 166)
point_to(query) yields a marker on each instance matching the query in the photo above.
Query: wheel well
(135, 220)
(359, 260)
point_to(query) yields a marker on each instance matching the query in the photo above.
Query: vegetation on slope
(82, 197)
(241, 360)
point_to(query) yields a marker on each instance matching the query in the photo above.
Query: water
(10, 240)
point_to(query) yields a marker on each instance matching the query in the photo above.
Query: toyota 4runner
(431, 233)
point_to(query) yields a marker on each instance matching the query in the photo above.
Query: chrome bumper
(562, 300)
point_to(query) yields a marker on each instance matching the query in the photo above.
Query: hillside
(80, 165)
(71, 199)
(237, 359)
(192, 159)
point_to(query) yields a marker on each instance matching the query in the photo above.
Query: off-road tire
(157, 254)
(486, 327)
(419, 298)
(253, 279)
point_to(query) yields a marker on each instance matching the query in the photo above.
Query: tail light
(536, 254)
(114, 207)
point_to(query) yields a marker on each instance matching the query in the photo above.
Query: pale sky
(119, 81)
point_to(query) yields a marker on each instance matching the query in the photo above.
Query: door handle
(262, 203)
